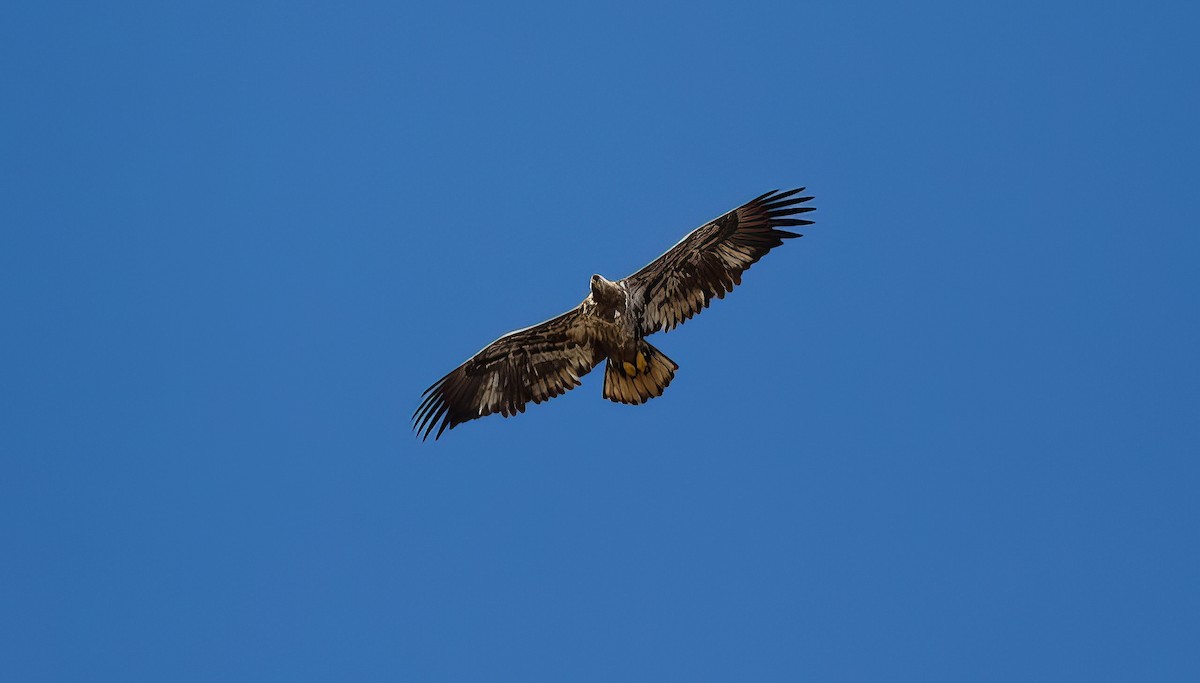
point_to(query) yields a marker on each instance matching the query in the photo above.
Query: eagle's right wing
(533, 364)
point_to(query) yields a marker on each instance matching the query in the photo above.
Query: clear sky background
(952, 434)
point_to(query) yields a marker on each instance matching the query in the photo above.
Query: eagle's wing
(710, 260)
(533, 364)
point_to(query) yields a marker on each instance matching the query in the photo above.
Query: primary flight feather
(540, 362)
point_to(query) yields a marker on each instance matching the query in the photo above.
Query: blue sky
(951, 434)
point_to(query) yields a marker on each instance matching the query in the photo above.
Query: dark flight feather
(710, 260)
(534, 364)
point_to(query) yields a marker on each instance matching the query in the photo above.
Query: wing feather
(532, 364)
(710, 260)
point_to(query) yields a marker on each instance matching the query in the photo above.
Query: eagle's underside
(537, 363)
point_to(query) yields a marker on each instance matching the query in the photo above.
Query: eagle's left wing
(710, 260)
(533, 364)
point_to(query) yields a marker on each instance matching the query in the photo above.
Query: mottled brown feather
(534, 364)
(710, 260)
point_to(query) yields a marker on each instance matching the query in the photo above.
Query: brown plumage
(540, 362)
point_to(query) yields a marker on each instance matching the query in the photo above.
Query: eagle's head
(607, 292)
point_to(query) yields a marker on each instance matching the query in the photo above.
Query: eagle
(543, 361)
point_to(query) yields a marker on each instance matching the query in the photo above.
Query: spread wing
(533, 364)
(711, 259)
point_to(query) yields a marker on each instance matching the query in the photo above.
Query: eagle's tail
(638, 379)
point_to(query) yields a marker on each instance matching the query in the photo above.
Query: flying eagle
(540, 362)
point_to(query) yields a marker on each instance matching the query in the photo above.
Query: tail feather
(643, 384)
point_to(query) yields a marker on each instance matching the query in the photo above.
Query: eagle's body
(614, 315)
(540, 362)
